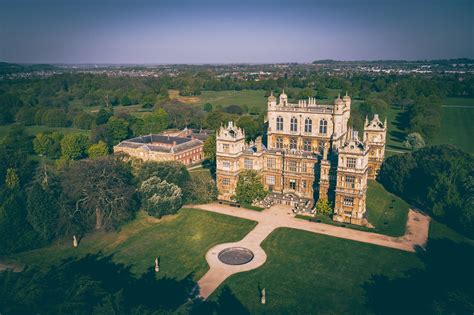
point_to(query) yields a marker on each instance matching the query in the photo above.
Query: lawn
(308, 273)
(385, 211)
(456, 124)
(180, 241)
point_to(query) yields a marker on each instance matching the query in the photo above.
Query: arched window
(308, 125)
(279, 125)
(307, 145)
(293, 144)
(293, 124)
(323, 126)
(279, 143)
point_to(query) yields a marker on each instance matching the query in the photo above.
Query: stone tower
(375, 133)
(324, 176)
(351, 185)
(230, 142)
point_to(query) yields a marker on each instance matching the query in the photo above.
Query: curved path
(281, 216)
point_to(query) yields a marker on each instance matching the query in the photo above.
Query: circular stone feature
(235, 256)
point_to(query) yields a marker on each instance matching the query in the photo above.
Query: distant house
(188, 149)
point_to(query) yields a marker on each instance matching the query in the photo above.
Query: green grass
(385, 211)
(456, 126)
(458, 101)
(245, 97)
(33, 130)
(382, 207)
(308, 273)
(181, 242)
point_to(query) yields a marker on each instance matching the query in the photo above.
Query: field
(180, 241)
(309, 274)
(456, 125)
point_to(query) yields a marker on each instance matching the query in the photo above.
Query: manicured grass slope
(180, 241)
(385, 211)
(457, 127)
(308, 273)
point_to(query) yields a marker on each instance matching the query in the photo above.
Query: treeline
(437, 179)
(43, 200)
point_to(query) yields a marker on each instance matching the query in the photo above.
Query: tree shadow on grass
(89, 285)
(226, 303)
(444, 286)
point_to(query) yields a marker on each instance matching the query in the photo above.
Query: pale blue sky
(227, 31)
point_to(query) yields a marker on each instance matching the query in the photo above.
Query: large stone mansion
(311, 153)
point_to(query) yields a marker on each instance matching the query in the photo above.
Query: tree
(374, 105)
(252, 127)
(97, 150)
(42, 207)
(171, 171)
(210, 148)
(306, 93)
(117, 130)
(249, 187)
(414, 141)
(74, 146)
(41, 144)
(83, 120)
(55, 117)
(12, 180)
(200, 189)
(164, 91)
(125, 101)
(323, 206)
(159, 197)
(98, 193)
(437, 179)
(103, 116)
(26, 115)
(156, 121)
(207, 107)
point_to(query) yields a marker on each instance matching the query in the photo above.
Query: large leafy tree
(99, 193)
(74, 146)
(249, 187)
(210, 148)
(437, 179)
(200, 189)
(171, 171)
(117, 130)
(159, 197)
(97, 150)
(156, 121)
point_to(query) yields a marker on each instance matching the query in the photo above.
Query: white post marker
(74, 241)
(263, 299)
(157, 266)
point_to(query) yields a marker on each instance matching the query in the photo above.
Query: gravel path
(281, 216)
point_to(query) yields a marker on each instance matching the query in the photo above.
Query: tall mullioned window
(292, 144)
(279, 125)
(225, 182)
(307, 145)
(323, 126)
(279, 143)
(270, 163)
(308, 125)
(292, 166)
(293, 124)
(293, 184)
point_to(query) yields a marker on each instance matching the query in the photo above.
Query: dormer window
(293, 124)
(279, 123)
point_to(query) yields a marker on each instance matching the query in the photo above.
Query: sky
(228, 31)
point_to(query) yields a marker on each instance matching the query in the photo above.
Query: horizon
(229, 32)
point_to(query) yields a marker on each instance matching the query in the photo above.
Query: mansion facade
(310, 153)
